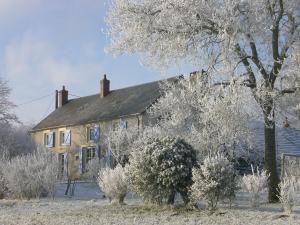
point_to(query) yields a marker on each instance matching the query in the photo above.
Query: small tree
(119, 141)
(113, 183)
(255, 184)
(161, 167)
(215, 180)
(211, 118)
(93, 167)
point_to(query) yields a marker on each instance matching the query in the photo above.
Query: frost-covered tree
(119, 141)
(211, 118)
(15, 140)
(6, 115)
(160, 168)
(253, 40)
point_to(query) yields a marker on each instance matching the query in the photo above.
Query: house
(74, 130)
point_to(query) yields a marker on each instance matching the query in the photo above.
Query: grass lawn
(79, 210)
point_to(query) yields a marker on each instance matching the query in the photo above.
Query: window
(49, 139)
(65, 137)
(93, 133)
(90, 154)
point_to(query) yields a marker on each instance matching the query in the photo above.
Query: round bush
(215, 180)
(113, 183)
(160, 168)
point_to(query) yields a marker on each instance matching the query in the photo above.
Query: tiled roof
(287, 139)
(118, 103)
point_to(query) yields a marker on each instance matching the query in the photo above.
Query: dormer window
(49, 139)
(65, 137)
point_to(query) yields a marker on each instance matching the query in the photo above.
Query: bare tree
(6, 115)
(15, 140)
(253, 40)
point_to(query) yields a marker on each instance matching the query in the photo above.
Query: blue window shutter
(97, 152)
(65, 164)
(123, 124)
(67, 137)
(108, 156)
(96, 133)
(50, 139)
(80, 161)
(53, 139)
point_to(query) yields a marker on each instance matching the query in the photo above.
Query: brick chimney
(62, 97)
(104, 87)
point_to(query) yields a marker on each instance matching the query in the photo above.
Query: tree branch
(243, 56)
(255, 58)
(275, 47)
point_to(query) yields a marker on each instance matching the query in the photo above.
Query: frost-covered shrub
(255, 184)
(3, 185)
(33, 175)
(215, 180)
(287, 193)
(161, 167)
(113, 183)
(93, 167)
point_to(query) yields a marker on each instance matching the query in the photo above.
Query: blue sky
(45, 44)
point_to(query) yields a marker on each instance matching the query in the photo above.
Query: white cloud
(35, 67)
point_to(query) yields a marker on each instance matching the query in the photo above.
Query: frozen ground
(89, 207)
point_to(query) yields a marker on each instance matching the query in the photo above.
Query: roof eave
(88, 122)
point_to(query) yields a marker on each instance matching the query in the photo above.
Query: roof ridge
(133, 86)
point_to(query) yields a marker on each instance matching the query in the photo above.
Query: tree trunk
(171, 198)
(270, 158)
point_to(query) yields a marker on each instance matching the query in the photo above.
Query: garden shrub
(215, 180)
(160, 168)
(3, 185)
(113, 183)
(33, 175)
(93, 167)
(287, 193)
(255, 184)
